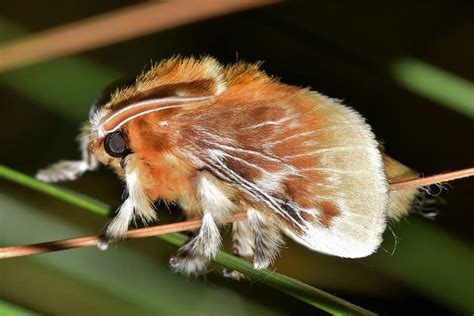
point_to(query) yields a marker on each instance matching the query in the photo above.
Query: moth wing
(322, 180)
(348, 191)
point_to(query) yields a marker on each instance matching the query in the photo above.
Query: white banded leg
(242, 245)
(268, 239)
(135, 205)
(194, 256)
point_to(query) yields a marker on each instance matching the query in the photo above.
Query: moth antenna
(115, 120)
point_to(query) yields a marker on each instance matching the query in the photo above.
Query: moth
(218, 140)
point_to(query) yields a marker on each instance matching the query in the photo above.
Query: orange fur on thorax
(169, 174)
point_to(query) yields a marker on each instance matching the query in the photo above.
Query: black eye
(115, 145)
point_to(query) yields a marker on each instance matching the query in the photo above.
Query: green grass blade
(290, 286)
(9, 309)
(435, 84)
(79, 200)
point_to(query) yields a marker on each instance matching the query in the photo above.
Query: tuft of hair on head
(203, 73)
(243, 73)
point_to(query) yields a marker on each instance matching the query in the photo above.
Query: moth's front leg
(136, 205)
(68, 170)
(194, 256)
(117, 227)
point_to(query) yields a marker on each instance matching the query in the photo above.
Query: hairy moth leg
(194, 256)
(242, 245)
(268, 239)
(242, 239)
(68, 170)
(135, 205)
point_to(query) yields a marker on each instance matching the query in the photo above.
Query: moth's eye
(115, 145)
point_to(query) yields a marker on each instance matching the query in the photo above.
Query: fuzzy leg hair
(194, 256)
(243, 244)
(135, 205)
(268, 239)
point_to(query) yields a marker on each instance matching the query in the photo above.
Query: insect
(218, 140)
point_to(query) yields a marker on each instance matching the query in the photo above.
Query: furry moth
(218, 140)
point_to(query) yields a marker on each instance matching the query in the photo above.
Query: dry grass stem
(112, 27)
(87, 241)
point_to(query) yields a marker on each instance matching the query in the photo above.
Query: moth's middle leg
(194, 256)
(257, 238)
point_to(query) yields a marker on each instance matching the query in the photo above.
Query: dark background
(343, 49)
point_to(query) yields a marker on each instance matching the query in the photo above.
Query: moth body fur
(220, 140)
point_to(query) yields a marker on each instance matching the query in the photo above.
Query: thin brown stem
(442, 177)
(88, 241)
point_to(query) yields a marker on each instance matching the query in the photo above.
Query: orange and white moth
(218, 140)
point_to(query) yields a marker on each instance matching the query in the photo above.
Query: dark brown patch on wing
(292, 212)
(307, 217)
(297, 188)
(259, 112)
(328, 212)
(247, 172)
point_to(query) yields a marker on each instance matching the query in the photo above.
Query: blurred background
(407, 66)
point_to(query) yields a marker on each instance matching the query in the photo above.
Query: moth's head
(172, 86)
(137, 116)
(109, 149)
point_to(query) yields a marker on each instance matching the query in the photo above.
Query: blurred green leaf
(65, 86)
(88, 203)
(9, 309)
(435, 84)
